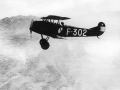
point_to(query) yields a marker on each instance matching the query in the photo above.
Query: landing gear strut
(44, 43)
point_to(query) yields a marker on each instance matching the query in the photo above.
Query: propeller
(31, 27)
(30, 33)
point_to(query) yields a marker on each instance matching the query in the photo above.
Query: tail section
(101, 26)
(98, 30)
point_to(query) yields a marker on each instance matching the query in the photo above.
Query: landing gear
(44, 43)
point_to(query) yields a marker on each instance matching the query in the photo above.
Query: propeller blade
(31, 27)
(31, 33)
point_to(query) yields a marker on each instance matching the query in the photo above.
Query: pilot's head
(62, 23)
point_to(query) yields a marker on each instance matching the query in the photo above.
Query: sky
(87, 63)
(44, 7)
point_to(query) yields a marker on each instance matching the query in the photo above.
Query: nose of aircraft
(102, 26)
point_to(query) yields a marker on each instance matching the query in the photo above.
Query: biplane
(52, 26)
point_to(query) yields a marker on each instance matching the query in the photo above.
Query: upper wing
(54, 17)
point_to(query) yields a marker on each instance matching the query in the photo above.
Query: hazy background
(73, 64)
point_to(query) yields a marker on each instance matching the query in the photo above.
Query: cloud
(88, 59)
(104, 48)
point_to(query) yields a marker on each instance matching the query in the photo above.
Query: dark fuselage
(55, 30)
(45, 28)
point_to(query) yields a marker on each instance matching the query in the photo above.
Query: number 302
(79, 32)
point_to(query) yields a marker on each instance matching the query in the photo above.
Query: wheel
(44, 44)
(42, 41)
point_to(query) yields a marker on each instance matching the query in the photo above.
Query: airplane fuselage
(55, 30)
(58, 30)
(45, 28)
(68, 31)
